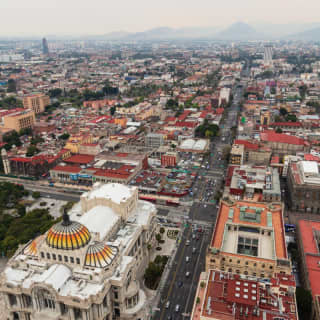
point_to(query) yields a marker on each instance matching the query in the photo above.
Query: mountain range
(238, 31)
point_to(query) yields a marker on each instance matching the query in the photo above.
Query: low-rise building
(226, 296)
(249, 239)
(249, 182)
(303, 181)
(309, 244)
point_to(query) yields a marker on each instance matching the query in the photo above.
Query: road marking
(174, 275)
(199, 255)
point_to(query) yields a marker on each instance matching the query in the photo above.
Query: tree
(113, 110)
(162, 230)
(64, 136)
(291, 118)
(304, 302)
(36, 195)
(158, 238)
(202, 284)
(198, 300)
(55, 93)
(11, 86)
(278, 130)
(32, 150)
(283, 111)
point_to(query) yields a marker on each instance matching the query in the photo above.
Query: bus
(289, 227)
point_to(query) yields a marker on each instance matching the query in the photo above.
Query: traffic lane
(182, 292)
(200, 266)
(170, 289)
(178, 294)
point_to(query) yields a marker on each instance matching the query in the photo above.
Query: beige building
(249, 239)
(36, 102)
(19, 120)
(87, 266)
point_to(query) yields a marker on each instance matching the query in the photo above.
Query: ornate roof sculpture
(68, 235)
(100, 255)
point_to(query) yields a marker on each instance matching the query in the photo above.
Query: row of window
(239, 261)
(65, 258)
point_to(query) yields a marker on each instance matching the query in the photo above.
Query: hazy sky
(40, 17)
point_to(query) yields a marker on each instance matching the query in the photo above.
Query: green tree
(113, 110)
(31, 150)
(158, 238)
(162, 230)
(12, 87)
(291, 118)
(64, 136)
(304, 302)
(283, 111)
(36, 195)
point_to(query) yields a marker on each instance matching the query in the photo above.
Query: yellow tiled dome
(68, 235)
(100, 255)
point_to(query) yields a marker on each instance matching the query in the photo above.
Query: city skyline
(98, 17)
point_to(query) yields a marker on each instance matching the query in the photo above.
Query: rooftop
(230, 297)
(310, 238)
(251, 217)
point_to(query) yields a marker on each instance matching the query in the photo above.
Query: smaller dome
(31, 249)
(100, 255)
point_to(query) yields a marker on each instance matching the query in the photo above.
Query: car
(180, 284)
(187, 259)
(167, 304)
(193, 236)
(177, 308)
(198, 237)
(187, 274)
(194, 250)
(188, 243)
(169, 317)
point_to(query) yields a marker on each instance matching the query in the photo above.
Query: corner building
(87, 266)
(249, 239)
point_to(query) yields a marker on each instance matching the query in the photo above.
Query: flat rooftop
(310, 237)
(230, 297)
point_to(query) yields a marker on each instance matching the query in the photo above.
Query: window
(66, 259)
(60, 257)
(230, 260)
(48, 255)
(78, 260)
(71, 259)
(12, 299)
(247, 263)
(42, 254)
(54, 257)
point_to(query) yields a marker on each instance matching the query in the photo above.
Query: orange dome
(100, 255)
(68, 235)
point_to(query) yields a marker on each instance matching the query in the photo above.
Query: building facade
(19, 120)
(85, 267)
(303, 180)
(36, 102)
(249, 239)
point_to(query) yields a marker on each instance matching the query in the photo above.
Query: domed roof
(68, 235)
(100, 255)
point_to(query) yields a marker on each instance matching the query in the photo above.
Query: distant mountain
(309, 35)
(239, 31)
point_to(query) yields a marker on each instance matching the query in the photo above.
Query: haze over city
(79, 17)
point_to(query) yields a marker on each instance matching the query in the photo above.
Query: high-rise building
(36, 102)
(267, 57)
(45, 48)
